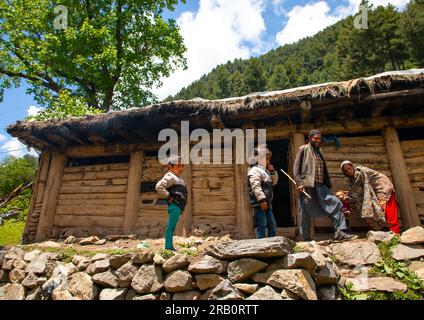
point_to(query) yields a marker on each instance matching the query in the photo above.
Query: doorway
(282, 202)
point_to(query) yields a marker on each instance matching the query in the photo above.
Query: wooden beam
(244, 216)
(395, 94)
(216, 122)
(112, 149)
(183, 228)
(51, 195)
(37, 189)
(405, 196)
(133, 191)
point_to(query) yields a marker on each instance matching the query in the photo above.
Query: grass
(11, 232)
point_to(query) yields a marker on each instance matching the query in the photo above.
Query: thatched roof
(143, 123)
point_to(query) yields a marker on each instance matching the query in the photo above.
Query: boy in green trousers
(172, 188)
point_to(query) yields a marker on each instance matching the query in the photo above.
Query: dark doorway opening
(282, 202)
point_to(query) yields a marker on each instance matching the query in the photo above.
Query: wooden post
(132, 202)
(51, 195)
(297, 140)
(184, 224)
(405, 196)
(244, 214)
(37, 190)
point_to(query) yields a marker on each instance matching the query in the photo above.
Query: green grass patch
(11, 232)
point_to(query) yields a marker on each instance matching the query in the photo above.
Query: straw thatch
(146, 120)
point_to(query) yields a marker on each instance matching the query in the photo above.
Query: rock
(49, 244)
(407, 252)
(206, 295)
(14, 253)
(177, 261)
(328, 292)
(30, 281)
(158, 259)
(50, 266)
(265, 293)
(178, 281)
(262, 277)
(242, 269)
(206, 281)
(13, 291)
(297, 281)
(125, 274)
(70, 240)
(80, 262)
(59, 294)
(301, 260)
(130, 294)
(252, 248)
(38, 264)
(143, 257)
(413, 236)
(327, 275)
(225, 291)
(380, 236)
(418, 268)
(118, 261)
(8, 265)
(207, 264)
(100, 243)
(387, 284)
(41, 281)
(88, 241)
(105, 279)
(81, 286)
(98, 257)
(146, 297)
(246, 287)
(356, 253)
(113, 294)
(187, 295)
(29, 256)
(17, 275)
(288, 295)
(114, 237)
(148, 279)
(165, 296)
(98, 266)
(66, 269)
(35, 294)
(19, 264)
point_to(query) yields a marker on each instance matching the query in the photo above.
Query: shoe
(343, 236)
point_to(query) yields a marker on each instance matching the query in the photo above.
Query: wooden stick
(304, 192)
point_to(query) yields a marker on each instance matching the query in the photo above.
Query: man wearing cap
(311, 175)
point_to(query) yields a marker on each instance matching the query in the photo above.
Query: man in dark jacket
(311, 175)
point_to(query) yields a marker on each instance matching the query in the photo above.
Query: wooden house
(97, 173)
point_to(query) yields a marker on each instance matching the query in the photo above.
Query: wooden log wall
(369, 151)
(413, 151)
(92, 199)
(152, 217)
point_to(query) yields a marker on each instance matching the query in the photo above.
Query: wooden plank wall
(214, 196)
(369, 151)
(152, 217)
(92, 198)
(413, 151)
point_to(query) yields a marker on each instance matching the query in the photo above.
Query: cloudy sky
(216, 31)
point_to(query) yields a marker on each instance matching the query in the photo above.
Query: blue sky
(215, 31)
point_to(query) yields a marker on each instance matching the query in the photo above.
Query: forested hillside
(393, 41)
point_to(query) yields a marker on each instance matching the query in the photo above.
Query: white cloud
(2, 137)
(304, 21)
(219, 31)
(33, 110)
(15, 148)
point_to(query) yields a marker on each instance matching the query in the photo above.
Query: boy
(173, 188)
(262, 177)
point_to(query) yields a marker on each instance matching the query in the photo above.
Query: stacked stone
(265, 269)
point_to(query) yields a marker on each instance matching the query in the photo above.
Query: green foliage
(394, 40)
(65, 106)
(11, 232)
(110, 54)
(15, 171)
(165, 253)
(348, 294)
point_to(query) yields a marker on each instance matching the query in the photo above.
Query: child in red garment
(347, 210)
